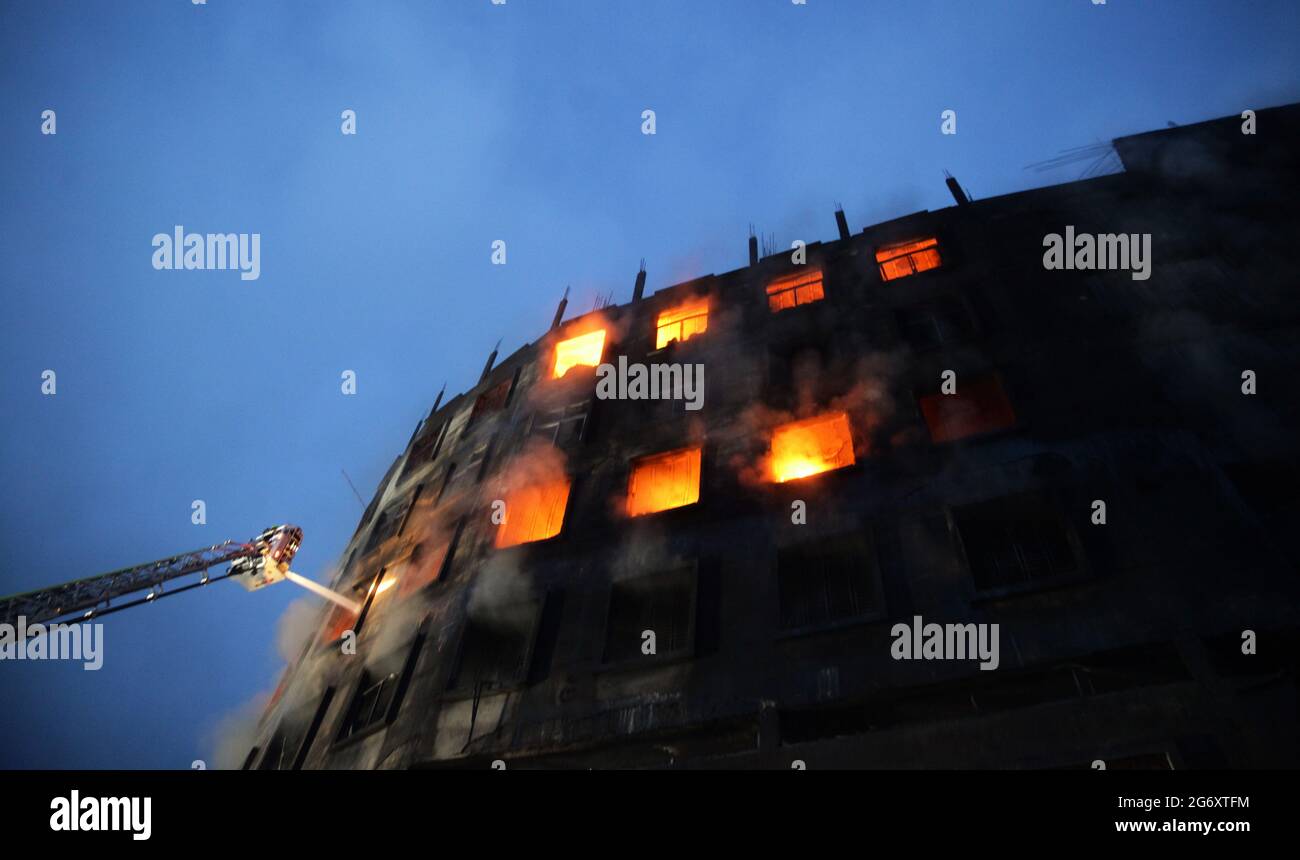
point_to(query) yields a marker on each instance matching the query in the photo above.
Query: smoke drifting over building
(919, 420)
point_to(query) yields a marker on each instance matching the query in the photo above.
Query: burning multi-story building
(920, 423)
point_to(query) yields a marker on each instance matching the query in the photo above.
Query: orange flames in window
(811, 446)
(664, 481)
(534, 512)
(584, 350)
(682, 322)
(793, 290)
(908, 258)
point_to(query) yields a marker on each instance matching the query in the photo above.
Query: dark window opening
(422, 571)
(495, 648)
(410, 508)
(379, 692)
(492, 400)
(562, 426)
(978, 406)
(477, 464)
(931, 326)
(446, 481)
(385, 527)
(824, 582)
(664, 603)
(374, 698)
(1015, 541)
(798, 373)
(293, 738)
(425, 450)
(1268, 488)
(369, 600)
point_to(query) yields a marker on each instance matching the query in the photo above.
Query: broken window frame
(472, 636)
(387, 676)
(310, 719)
(424, 450)
(554, 420)
(493, 400)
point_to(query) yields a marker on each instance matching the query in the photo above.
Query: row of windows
(1007, 543)
(684, 321)
(925, 327)
(799, 449)
(672, 479)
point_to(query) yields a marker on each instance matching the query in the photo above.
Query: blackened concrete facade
(1120, 641)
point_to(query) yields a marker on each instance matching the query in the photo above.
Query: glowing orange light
(533, 513)
(811, 446)
(339, 622)
(388, 582)
(908, 258)
(682, 322)
(664, 481)
(791, 291)
(583, 350)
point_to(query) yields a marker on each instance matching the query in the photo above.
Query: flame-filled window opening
(378, 693)
(1014, 541)
(682, 322)
(664, 481)
(533, 513)
(495, 648)
(908, 258)
(979, 406)
(663, 603)
(585, 350)
(826, 581)
(794, 290)
(812, 446)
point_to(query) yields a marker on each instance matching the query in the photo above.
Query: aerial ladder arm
(254, 564)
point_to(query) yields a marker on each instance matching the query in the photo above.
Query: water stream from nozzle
(328, 594)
